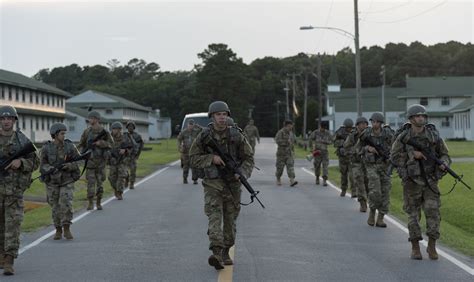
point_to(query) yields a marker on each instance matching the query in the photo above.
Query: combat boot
(353, 194)
(226, 258)
(343, 193)
(363, 206)
(216, 259)
(120, 195)
(126, 183)
(132, 185)
(278, 181)
(91, 204)
(116, 194)
(371, 219)
(431, 249)
(380, 222)
(415, 250)
(325, 178)
(185, 180)
(59, 233)
(98, 204)
(8, 265)
(293, 182)
(317, 180)
(67, 232)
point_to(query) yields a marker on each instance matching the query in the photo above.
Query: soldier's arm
(199, 157)
(349, 142)
(258, 134)
(44, 163)
(83, 141)
(180, 139)
(246, 155)
(141, 144)
(280, 140)
(107, 143)
(442, 151)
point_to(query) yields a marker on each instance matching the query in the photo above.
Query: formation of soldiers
(58, 163)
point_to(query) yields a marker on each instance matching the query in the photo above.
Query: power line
(410, 17)
(388, 9)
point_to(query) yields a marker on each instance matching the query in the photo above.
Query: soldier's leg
(280, 165)
(343, 169)
(100, 178)
(113, 174)
(213, 208)
(325, 164)
(385, 188)
(375, 193)
(352, 184)
(2, 226)
(290, 167)
(317, 167)
(431, 206)
(13, 220)
(133, 173)
(121, 175)
(91, 182)
(53, 196)
(412, 206)
(66, 211)
(186, 161)
(231, 210)
(359, 185)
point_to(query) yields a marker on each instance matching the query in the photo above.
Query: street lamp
(278, 114)
(357, 56)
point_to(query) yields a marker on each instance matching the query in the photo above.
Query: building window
(3, 92)
(424, 101)
(62, 102)
(47, 122)
(23, 123)
(42, 99)
(17, 98)
(9, 93)
(445, 122)
(37, 123)
(42, 123)
(109, 111)
(444, 101)
(23, 94)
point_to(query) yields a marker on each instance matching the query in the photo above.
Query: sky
(52, 33)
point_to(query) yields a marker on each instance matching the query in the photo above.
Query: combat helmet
(416, 109)
(377, 116)
(56, 128)
(348, 122)
(116, 125)
(360, 120)
(218, 106)
(93, 114)
(131, 123)
(8, 111)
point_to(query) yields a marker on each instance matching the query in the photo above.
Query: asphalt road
(158, 233)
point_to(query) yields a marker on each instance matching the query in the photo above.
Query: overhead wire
(389, 9)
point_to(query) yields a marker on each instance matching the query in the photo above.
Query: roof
(16, 79)
(103, 100)
(431, 114)
(454, 86)
(38, 112)
(371, 98)
(84, 113)
(463, 106)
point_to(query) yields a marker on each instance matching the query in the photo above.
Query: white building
(160, 127)
(38, 104)
(463, 116)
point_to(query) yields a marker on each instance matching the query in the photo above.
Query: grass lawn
(40, 215)
(300, 153)
(458, 149)
(457, 225)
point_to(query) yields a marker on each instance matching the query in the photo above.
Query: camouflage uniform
(420, 180)
(60, 184)
(185, 140)
(359, 171)
(344, 156)
(319, 141)
(251, 132)
(118, 164)
(12, 187)
(95, 169)
(134, 157)
(221, 192)
(285, 153)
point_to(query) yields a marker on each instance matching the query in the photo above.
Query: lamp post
(278, 113)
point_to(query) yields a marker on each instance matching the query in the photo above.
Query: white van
(199, 118)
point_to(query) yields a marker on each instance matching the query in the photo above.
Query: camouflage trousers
(253, 142)
(281, 162)
(346, 174)
(95, 178)
(379, 186)
(186, 165)
(132, 167)
(222, 207)
(321, 161)
(417, 197)
(60, 199)
(360, 183)
(117, 175)
(11, 217)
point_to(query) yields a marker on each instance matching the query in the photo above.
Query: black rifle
(384, 154)
(91, 141)
(431, 155)
(231, 168)
(59, 166)
(124, 146)
(24, 151)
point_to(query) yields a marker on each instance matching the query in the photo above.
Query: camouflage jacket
(351, 146)
(286, 142)
(232, 142)
(122, 141)
(340, 137)
(251, 132)
(408, 167)
(15, 182)
(320, 140)
(139, 144)
(53, 155)
(383, 139)
(187, 137)
(100, 152)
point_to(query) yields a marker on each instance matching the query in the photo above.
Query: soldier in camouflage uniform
(319, 140)
(420, 176)
(122, 148)
(358, 168)
(134, 157)
(221, 191)
(285, 139)
(60, 178)
(185, 140)
(15, 179)
(344, 156)
(379, 182)
(95, 167)
(251, 132)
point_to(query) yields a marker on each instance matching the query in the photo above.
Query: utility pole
(305, 104)
(382, 73)
(294, 97)
(357, 59)
(287, 89)
(320, 95)
(278, 114)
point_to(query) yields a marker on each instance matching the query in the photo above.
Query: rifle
(25, 150)
(384, 154)
(430, 155)
(125, 146)
(59, 166)
(231, 167)
(90, 142)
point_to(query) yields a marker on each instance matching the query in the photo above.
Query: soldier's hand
(237, 177)
(372, 150)
(443, 167)
(419, 155)
(122, 151)
(15, 164)
(217, 160)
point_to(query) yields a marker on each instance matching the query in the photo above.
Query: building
(463, 117)
(160, 127)
(38, 104)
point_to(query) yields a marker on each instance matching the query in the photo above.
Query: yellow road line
(225, 275)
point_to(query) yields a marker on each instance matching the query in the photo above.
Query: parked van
(199, 118)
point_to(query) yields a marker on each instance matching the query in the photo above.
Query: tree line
(222, 75)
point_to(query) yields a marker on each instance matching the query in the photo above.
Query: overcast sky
(47, 34)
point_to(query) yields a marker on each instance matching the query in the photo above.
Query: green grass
(457, 225)
(159, 154)
(458, 149)
(300, 153)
